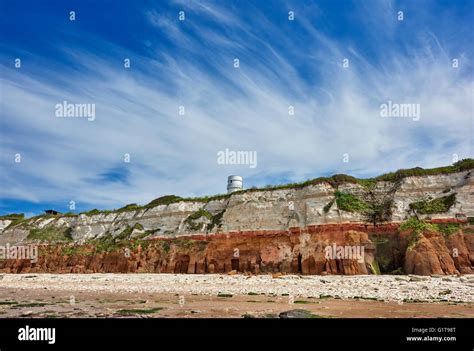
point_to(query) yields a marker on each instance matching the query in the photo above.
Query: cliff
(282, 229)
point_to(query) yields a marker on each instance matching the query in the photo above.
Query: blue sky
(190, 63)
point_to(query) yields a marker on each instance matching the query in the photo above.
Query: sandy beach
(234, 296)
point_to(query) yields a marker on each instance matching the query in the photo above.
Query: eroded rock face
(265, 210)
(430, 255)
(297, 251)
(434, 253)
(4, 223)
(285, 230)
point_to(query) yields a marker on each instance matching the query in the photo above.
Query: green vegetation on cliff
(374, 267)
(447, 229)
(191, 220)
(215, 220)
(50, 233)
(350, 203)
(328, 206)
(335, 181)
(373, 211)
(13, 216)
(439, 205)
(130, 207)
(16, 218)
(163, 200)
(383, 253)
(463, 165)
(413, 240)
(419, 226)
(190, 244)
(124, 240)
(94, 212)
(71, 250)
(109, 243)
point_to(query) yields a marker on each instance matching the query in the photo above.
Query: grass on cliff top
(335, 181)
(13, 216)
(368, 183)
(462, 165)
(163, 200)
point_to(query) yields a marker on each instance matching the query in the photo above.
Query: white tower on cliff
(234, 183)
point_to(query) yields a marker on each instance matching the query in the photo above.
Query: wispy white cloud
(336, 112)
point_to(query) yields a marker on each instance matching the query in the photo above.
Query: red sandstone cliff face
(429, 256)
(298, 251)
(434, 253)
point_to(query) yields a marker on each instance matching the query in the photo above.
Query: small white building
(234, 183)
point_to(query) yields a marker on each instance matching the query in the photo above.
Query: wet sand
(200, 296)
